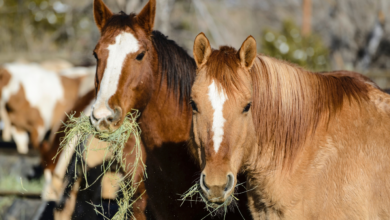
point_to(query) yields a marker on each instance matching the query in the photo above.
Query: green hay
(194, 194)
(79, 129)
(124, 211)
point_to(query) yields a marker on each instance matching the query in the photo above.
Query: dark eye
(247, 107)
(193, 106)
(95, 55)
(140, 56)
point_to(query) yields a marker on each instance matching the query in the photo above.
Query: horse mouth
(104, 125)
(220, 204)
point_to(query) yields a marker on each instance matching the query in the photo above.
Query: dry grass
(194, 194)
(79, 129)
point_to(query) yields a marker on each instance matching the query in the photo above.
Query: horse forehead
(123, 42)
(200, 87)
(117, 37)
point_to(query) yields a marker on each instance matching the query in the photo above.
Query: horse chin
(216, 205)
(105, 128)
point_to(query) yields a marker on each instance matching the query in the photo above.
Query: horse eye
(140, 56)
(247, 107)
(193, 105)
(95, 55)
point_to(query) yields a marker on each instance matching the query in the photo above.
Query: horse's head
(125, 64)
(222, 119)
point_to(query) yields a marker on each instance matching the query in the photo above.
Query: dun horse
(138, 68)
(314, 146)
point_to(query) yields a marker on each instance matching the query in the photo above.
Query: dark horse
(138, 68)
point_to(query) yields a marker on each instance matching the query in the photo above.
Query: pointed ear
(202, 49)
(146, 16)
(101, 13)
(248, 52)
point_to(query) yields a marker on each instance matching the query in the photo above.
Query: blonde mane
(289, 102)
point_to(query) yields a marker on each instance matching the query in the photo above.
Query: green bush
(288, 44)
(39, 29)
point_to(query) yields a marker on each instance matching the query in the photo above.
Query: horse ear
(248, 52)
(147, 14)
(202, 49)
(101, 13)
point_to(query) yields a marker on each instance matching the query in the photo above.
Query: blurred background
(320, 35)
(317, 34)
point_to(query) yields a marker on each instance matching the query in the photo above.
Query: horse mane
(177, 68)
(289, 102)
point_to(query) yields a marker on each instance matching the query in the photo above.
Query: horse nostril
(93, 117)
(203, 182)
(117, 115)
(230, 182)
(110, 119)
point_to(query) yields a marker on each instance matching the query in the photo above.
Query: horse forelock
(222, 66)
(289, 102)
(120, 22)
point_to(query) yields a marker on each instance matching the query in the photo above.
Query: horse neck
(165, 119)
(289, 104)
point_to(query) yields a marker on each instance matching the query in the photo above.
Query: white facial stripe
(125, 43)
(217, 99)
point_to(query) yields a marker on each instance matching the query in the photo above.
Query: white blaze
(217, 99)
(125, 43)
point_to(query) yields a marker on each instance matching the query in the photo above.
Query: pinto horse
(33, 100)
(314, 146)
(64, 195)
(138, 68)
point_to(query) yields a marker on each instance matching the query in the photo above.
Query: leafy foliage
(44, 27)
(288, 44)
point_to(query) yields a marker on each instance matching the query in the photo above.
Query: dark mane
(119, 22)
(178, 69)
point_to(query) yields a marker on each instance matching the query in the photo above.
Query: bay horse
(138, 68)
(314, 146)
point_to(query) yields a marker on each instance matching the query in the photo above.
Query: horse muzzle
(217, 194)
(106, 120)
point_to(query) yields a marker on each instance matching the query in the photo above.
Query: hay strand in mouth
(78, 132)
(195, 192)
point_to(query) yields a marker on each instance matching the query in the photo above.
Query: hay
(79, 129)
(194, 194)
